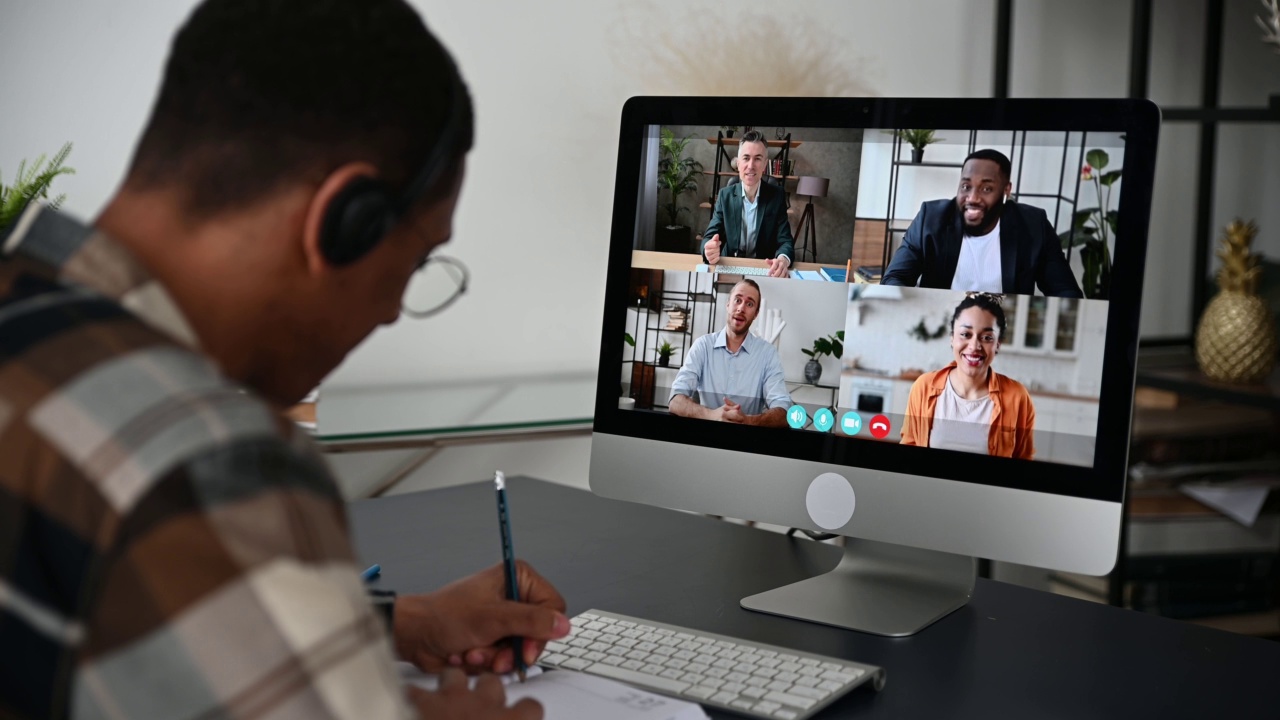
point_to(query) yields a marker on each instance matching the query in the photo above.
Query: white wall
(550, 79)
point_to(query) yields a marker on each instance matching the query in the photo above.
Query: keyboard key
(665, 650)
(726, 644)
(696, 668)
(729, 654)
(830, 686)
(676, 663)
(716, 672)
(609, 638)
(724, 698)
(575, 652)
(786, 677)
(768, 654)
(633, 664)
(576, 664)
(685, 655)
(612, 660)
(690, 645)
(671, 674)
(765, 672)
(788, 657)
(553, 658)
(755, 692)
(785, 714)
(626, 623)
(803, 703)
(725, 663)
(810, 671)
(810, 661)
(692, 678)
(580, 642)
(595, 635)
(808, 681)
(742, 704)
(643, 680)
(664, 631)
(637, 655)
(840, 677)
(808, 692)
(684, 636)
(830, 666)
(700, 693)
(792, 666)
(766, 707)
(646, 628)
(589, 616)
(769, 662)
(595, 656)
(595, 625)
(705, 659)
(712, 683)
(646, 646)
(600, 647)
(633, 633)
(755, 681)
(733, 687)
(736, 677)
(705, 640)
(579, 621)
(651, 637)
(779, 686)
(652, 669)
(627, 643)
(615, 650)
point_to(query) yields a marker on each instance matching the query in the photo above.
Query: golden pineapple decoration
(1236, 339)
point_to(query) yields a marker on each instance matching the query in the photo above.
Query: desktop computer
(943, 370)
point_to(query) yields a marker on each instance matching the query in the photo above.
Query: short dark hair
(995, 156)
(754, 136)
(982, 301)
(752, 283)
(258, 94)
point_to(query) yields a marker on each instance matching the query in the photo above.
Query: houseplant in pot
(664, 353)
(830, 345)
(918, 140)
(677, 175)
(1093, 229)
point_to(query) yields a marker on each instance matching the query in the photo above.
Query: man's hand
(462, 623)
(731, 412)
(456, 701)
(712, 249)
(778, 266)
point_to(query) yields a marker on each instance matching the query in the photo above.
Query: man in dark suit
(981, 241)
(750, 217)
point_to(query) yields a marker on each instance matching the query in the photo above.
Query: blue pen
(372, 572)
(509, 565)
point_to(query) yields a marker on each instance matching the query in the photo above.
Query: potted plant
(729, 130)
(917, 139)
(1092, 229)
(677, 175)
(664, 353)
(32, 184)
(830, 345)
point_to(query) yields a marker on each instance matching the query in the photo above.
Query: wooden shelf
(768, 143)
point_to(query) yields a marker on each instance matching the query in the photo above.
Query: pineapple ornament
(1236, 337)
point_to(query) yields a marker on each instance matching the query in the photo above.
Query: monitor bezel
(1138, 120)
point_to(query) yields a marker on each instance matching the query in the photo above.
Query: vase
(812, 371)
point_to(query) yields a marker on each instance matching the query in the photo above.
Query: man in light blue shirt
(736, 376)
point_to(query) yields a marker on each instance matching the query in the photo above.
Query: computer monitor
(946, 370)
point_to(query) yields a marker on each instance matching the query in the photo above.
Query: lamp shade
(812, 186)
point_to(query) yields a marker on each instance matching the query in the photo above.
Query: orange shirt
(1013, 416)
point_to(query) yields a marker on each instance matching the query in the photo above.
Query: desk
(1010, 653)
(688, 262)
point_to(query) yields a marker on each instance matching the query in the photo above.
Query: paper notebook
(568, 695)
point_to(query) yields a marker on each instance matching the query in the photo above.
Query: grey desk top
(1010, 653)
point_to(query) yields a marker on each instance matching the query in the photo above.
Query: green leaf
(1097, 158)
(1109, 179)
(1113, 221)
(1080, 217)
(1082, 236)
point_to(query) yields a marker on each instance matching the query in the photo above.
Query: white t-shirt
(960, 424)
(979, 264)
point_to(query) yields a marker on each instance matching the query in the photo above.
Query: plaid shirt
(170, 546)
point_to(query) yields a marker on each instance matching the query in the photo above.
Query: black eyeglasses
(440, 280)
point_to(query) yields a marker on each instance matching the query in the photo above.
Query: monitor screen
(833, 287)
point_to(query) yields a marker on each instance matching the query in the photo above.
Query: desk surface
(481, 408)
(1010, 653)
(688, 262)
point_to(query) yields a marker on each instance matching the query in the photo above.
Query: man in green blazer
(750, 217)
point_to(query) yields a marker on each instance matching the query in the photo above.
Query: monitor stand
(878, 588)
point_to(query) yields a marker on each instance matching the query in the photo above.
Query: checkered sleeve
(232, 590)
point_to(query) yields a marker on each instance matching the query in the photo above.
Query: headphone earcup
(357, 218)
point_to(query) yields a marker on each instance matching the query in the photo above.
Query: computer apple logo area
(830, 501)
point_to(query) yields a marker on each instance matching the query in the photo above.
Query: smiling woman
(968, 406)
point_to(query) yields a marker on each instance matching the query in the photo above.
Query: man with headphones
(982, 241)
(170, 545)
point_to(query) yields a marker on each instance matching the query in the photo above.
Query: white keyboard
(749, 678)
(733, 270)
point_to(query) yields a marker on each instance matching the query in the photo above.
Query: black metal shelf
(1269, 114)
